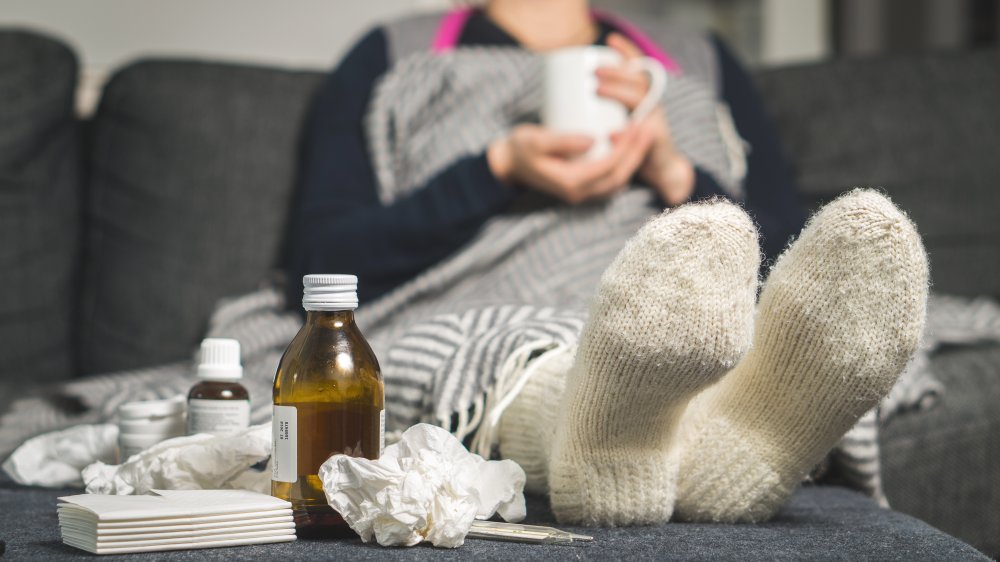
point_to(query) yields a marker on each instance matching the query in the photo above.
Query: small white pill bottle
(144, 424)
(218, 404)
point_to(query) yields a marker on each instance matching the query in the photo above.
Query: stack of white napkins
(173, 520)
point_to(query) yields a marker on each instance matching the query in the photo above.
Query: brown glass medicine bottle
(218, 404)
(328, 398)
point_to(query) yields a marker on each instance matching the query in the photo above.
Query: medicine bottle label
(381, 433)
(218, 417)
(284, 440)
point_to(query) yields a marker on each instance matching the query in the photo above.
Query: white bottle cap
(220, 359)
(329, 292)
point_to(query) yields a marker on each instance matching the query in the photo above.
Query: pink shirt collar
(452, 23)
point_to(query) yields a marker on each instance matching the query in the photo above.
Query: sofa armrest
(943, 465)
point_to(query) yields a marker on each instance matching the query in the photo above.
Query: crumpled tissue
(195, 462)
(54, 459)
(425, 487)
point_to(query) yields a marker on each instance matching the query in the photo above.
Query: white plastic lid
(330, 292)
(220, 359)
(153, 408)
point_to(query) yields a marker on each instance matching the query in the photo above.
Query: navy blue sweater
(338, 224)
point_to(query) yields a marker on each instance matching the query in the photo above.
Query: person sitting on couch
(338, 194)
(420, 160)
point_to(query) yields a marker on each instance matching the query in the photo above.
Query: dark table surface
(818, 523)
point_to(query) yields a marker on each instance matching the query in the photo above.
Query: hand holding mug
(572, 104)
(603, 124)
(553, 163)
(663, 168)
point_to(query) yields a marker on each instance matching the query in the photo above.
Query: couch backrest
(191, 172)
(924, 128)
(39, 207)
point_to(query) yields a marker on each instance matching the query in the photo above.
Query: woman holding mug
(407, 237)
(431, 171)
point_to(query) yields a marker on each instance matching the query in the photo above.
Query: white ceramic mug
(571, 103)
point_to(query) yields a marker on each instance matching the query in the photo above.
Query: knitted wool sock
(672, 314)
(840, 315)
(528, 426)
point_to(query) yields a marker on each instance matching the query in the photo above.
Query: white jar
(144, 424)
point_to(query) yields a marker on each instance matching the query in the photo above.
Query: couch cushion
(192, 171)
(819, 523)
(39, 206)
(925, 128)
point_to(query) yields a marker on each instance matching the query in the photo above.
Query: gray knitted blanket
(519, 288)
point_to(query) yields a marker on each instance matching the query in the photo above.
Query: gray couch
(118, 235)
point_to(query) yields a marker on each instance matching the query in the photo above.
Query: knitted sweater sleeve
(338, 224)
